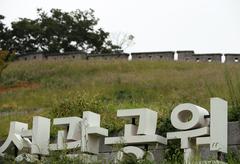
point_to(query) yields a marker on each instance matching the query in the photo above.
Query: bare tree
(123, 40)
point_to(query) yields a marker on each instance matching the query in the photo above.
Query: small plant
(173, 153)
(60, 157)
(7, 159)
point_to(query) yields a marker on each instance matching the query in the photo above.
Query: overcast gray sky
(158, 25)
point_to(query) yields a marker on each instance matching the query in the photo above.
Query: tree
(2, 26)
(59, 32)
(5, 43)
(5, 35)
(122, 40)
(26, 34)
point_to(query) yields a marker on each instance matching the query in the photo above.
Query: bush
(76, 104)
(3, 65)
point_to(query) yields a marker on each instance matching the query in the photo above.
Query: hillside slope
(36, 87)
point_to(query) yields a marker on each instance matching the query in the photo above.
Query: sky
(157, 25)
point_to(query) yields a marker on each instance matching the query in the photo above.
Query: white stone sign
(77, 132)
(196, 127)
(194, 123)
(143, 134)
(20, 136)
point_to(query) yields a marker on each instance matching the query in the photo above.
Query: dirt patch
(20, 85)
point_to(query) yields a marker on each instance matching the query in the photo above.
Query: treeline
(57, 31)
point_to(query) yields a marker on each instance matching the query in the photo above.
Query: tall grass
(119, 84)
(233, 86)
(67, 88)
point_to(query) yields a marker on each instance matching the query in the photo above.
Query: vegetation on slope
(66, 88)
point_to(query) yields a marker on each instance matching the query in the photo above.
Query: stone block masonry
(164, 55)
(181, 56)
(193, 57)
(232, 58)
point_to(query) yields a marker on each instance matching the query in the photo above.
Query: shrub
(76, 104)
(3, 65)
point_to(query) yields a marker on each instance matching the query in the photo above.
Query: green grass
(118, 84)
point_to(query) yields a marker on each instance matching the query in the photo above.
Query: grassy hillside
(37, 87)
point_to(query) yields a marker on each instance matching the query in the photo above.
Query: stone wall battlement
(187, 56)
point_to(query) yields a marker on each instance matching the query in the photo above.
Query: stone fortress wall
(188, 56)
